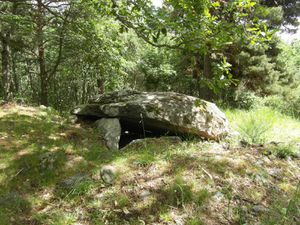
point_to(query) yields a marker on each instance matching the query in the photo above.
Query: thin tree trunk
(31, 82)
(207, 72)
(207, 66)
(41, 55)
(83, 96)
(15, 81)
(15, 76)
(6, 67)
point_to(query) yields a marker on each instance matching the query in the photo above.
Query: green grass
(284, 210)
(261, 125)
(50, 174)
(179, 193)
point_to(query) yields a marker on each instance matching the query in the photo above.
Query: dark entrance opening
(134, 129)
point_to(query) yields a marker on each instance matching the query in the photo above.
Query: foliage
(258, 72)
(289, 104)
(245, 99)
(202, 31)
(66, 53)
(289, 12)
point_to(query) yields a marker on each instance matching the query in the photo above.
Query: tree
(283, 13)
(43, 14)
(8, 11)
(59, 14)
(202, 29)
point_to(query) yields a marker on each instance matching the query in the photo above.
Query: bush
(245, 99)
(288, 104)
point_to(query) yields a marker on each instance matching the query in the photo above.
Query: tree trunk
(83, 96)
(101, 86)
(7, 80)
(207, 66)
(41, 54)
(207, 72)
(34, 92)
(15, 76)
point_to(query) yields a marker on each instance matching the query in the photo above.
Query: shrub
(288, 103)
(245, 99)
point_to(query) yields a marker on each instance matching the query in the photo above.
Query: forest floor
(50, 174)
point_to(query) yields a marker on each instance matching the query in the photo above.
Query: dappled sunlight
(158, 180)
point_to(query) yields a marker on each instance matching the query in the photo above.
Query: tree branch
(60, 48)
(139, 33)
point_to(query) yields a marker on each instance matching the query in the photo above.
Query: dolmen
(152, 114)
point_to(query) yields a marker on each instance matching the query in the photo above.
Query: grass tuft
(283, 151)
(179, 193)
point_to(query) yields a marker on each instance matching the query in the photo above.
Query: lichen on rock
(161, 112)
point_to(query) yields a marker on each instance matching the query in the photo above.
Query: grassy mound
(50, 175)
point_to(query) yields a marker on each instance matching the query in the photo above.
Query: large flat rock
(165, 112)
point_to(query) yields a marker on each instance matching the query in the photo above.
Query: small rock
(258, 209)
(178, 221)
(70, 182)
(218, 196)
(73, 119)
(274, 172)
(267, 160)
(234, 134)
(43, 107)
(145, 194)
(108, 174)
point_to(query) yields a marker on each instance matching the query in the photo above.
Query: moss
(153, 108)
